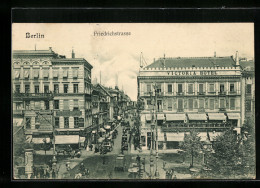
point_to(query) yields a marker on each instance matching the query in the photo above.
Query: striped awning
(178, 137)
(175, 117)
(197, 117)
(40, 140)
(148, 117)
(36, 73)
(26, 73)
(67, 139)
(216, 116)
(160, 116)
(233, 115)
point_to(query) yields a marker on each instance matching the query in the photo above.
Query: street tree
(191, 145)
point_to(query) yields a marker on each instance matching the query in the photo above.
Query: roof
(34, 53)
(103, 88)
(193, 62)
(71, 60)
(247, 65)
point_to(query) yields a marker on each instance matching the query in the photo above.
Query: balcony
(32, 96)
(222, 93)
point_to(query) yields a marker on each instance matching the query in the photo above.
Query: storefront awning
(101, 139)
(175, 137)
(216, 116)
(203, 136)
(175, 117)
(202, 117)
(213, 135)
(148, 117)
(233, 115)
(82, 139)
(160, 116)
(40, 140)
(17, 121)
(67, 139)
(160, 136)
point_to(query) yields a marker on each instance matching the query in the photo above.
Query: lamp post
(151, 150)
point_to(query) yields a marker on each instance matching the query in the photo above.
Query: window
(66, 105)
(65, 73)
(27, 105)
(148, 88)
(36, 73)
(76, 104)
(56, 104)
(248, 105)
(17, 88)
(27, 88)
(170, 104)
(55, 74)
(149, 102)
(46, 73)
(169, 88)
(46, 89)
(159, 88)
(66, 88)
(211, 104)
(26, 73)
(180, 104)
(232, 104)
(28, 123)
(76, 122)
(190, 104)
(222, 103)
(37, 105)
(17, 74)
(248, 89)
(222, 88)
(66, 122)
(75, 73)
(57, 122)
(47, 105)
(200, 88)
(201, 103)
(18, 106)
(56, 88)
(211, 88)
(75, 88)
(232, 87)
(190, 88)
(36, 89)
(179, 88)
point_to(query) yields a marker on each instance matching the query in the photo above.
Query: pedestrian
(175, 177)
(164, 165)
(90, 147)
(53, 174)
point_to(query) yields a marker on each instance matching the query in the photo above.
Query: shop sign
(191, 73)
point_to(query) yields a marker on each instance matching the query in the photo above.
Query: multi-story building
(52, 91)
(201, 93)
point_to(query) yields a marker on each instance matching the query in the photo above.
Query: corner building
(201, 93)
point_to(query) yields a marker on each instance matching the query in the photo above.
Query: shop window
(66, 86)
(232, 104)
(66, 122)
(75, 88)
(248, 89)
(36, 89)
(57, 122)
(56, 104)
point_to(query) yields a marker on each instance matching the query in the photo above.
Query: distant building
(48, 85)
(201, 93)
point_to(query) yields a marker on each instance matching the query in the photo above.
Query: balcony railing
(33, 95)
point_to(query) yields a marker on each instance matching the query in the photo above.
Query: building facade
(189, 93)
(52, 92)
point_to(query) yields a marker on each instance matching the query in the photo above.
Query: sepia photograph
(133, 101)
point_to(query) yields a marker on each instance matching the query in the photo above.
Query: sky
(120, 55)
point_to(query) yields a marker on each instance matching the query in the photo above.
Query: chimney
(164, 61)
(215, 54)
(50, 48)
(237, 59)
(72, 54)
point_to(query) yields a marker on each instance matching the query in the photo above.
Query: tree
(226, 160)
(191, 145)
